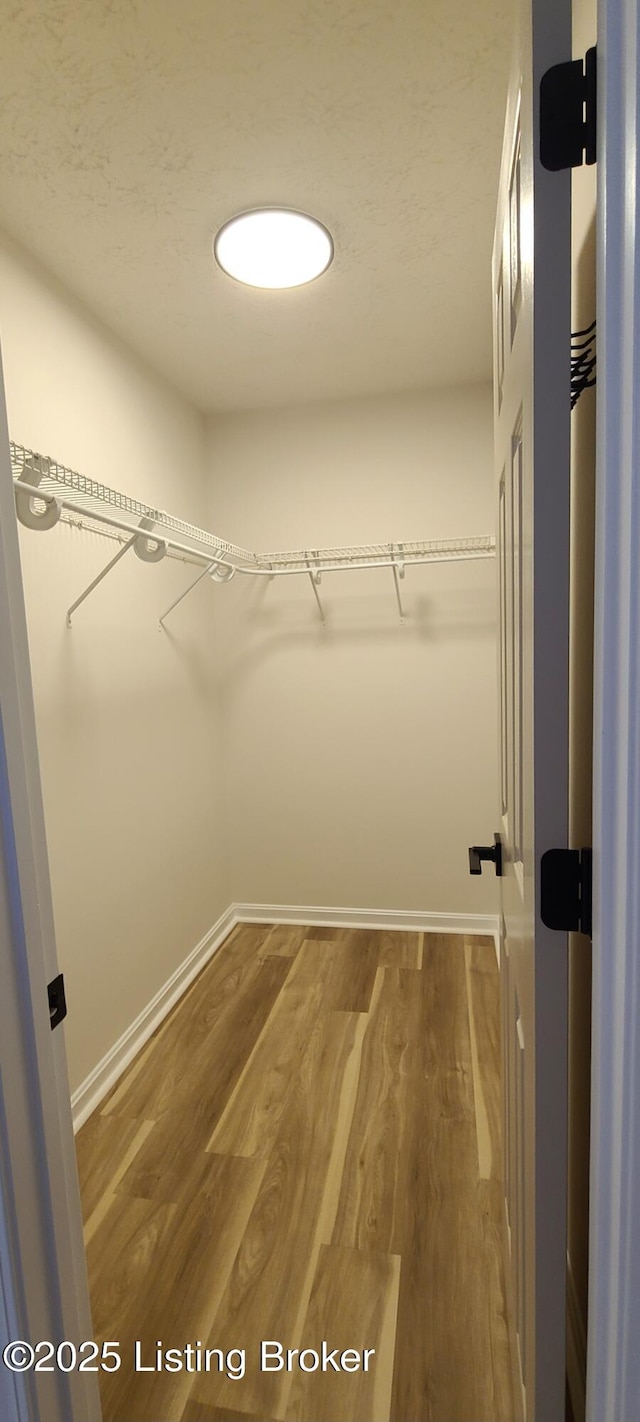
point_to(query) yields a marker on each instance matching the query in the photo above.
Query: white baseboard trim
(92, 1091)
(391, 919)
(576, 1349)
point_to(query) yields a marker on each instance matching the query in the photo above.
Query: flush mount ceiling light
(273, 247)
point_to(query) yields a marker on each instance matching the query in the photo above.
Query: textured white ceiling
(131, 129)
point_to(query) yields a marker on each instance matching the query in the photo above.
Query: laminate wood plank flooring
(354, 1302)
(200, 1095)
(321, 933)
(174, 1264)
(199, 1412)
(104, 1148)
(271, 1280)
(483, 995)
(397, 949)
(400, 950)
(373, 1191)
(308, 1149)
(452, 1284)
(283, 940)
(109, 1157)
(251, 1118)
(354, 961)
(445, 1036)
(221, 982)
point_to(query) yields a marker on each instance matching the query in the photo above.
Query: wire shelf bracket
(398, 573)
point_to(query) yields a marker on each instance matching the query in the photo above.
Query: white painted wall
(127, 723)
(361, 757)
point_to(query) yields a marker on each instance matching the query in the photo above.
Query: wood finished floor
(308, 1149)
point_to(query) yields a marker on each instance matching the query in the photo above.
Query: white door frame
(613, 1356)
(43, 1280)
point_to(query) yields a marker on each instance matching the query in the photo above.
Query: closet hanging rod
(153, 534)
(440, 551)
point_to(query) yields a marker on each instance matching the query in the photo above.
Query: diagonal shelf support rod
(215, 563)
(136, 541)
(107, 569)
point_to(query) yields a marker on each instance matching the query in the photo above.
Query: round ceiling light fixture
(273, 247)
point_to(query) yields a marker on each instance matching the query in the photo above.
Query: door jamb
(43, 1274)
(613, 1361)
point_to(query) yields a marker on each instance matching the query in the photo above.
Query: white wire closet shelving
(47, 493)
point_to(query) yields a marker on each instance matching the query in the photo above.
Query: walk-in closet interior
(283, 1029)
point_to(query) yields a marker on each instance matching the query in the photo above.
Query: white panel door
(43, 1287)
(531, 283)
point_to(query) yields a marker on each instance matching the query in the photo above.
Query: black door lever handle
(489, 853)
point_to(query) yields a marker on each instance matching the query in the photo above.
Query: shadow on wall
(464, 613)
(188, 655)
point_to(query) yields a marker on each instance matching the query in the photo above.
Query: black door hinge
(568, 113)
(57, 1001)
(565, 890)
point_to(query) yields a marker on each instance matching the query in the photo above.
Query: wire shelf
(437, 550)
(96, 499)
(47, 491)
